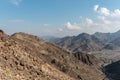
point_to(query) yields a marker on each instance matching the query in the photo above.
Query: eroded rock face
(26, 57)
(88, 59)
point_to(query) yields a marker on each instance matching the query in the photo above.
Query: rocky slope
(82, 42)
(26, 57)
(88, 59)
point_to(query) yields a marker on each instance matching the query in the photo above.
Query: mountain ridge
(27, 57)
(86, 42)
(82, 42)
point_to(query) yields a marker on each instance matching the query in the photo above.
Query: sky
(59, 17)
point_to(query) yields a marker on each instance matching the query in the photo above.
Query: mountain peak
(84, 34)
(82, 42)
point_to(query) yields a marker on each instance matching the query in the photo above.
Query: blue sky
(59, 17)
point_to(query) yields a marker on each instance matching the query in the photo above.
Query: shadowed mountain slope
(113, 71)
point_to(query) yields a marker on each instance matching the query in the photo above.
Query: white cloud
(16, 2)
(89, 21)
(103, 20)
(46, 25)
(60, 29)
(96, 7)
(104, 11)
(72, 26)
(116, 13)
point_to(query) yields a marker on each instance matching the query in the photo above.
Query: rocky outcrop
(87, 59)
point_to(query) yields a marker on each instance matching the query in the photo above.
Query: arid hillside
(26, 57)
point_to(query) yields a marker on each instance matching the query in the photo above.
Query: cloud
(96, 7)
(101, 10)
(104, 11)
(60, 29)
(72, 26)
(109, 17)
(116, 13)
(105, 21)
(89, 21)
(46, 25)
(16, 2)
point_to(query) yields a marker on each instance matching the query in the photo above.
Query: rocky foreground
(26, 57)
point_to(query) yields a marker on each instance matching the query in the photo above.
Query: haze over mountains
(111, 40)
(87, 42)
(82, 42)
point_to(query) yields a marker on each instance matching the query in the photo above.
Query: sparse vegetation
(26, 57)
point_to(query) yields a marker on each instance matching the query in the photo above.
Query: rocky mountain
(82, 42)
(102, 46)
(114, 44)
(103, 37)
(27, 57)
(107, 37)
(85, 42)
(49, 38)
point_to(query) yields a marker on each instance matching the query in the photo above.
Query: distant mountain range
(86, 42)
(99, 46)
(48, 38)
(110, 40)
(107, 37)
(104, 46)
